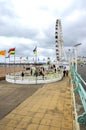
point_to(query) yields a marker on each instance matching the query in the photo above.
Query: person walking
(22, 75)
(31, 71)
(64, 72)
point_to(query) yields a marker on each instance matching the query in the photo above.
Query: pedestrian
(64, 72)
(22, 75)
(31, 72)
(43, 69)
(36, 73)
(55, 69)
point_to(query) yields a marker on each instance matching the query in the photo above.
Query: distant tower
(58, 40)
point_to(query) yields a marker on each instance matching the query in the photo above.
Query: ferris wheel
(58, 40)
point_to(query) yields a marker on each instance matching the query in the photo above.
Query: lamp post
(69, 56)
(76, 52)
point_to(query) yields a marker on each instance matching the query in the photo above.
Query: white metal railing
(16, 78)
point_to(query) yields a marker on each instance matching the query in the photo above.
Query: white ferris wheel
(60, 52)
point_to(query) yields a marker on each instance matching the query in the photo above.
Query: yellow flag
(2, 52)
(35, 50)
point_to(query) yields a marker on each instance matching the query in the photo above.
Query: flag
(11, 51)
(27, 57)
(35, 50)
(2, 52)
(20, 57)
(38, 59)
(33, 59)
(43, 59)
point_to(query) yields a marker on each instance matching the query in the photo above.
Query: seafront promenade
(49, 108)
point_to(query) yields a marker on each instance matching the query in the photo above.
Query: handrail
(81, 79)
(76, 78)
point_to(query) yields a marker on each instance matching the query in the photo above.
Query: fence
(77, 80)
(28, 79)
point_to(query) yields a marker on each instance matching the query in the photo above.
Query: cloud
(26, 24)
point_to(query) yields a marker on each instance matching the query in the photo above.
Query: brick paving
(49, 108)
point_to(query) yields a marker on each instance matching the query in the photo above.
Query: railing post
(82, 118)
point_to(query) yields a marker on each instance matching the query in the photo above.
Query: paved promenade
(49, 108)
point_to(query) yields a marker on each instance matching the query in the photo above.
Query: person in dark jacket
(22, 75)
(64, 72)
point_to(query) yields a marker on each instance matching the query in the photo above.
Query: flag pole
(35, 63)
(14, 66)
(36, 66)
(9, 64)
(5, 63)
(20, 64)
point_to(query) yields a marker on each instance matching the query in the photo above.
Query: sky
(25, 24)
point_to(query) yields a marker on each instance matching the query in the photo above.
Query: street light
(76, 51)
(69, 56)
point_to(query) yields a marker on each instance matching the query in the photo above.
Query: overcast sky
(25, 24)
